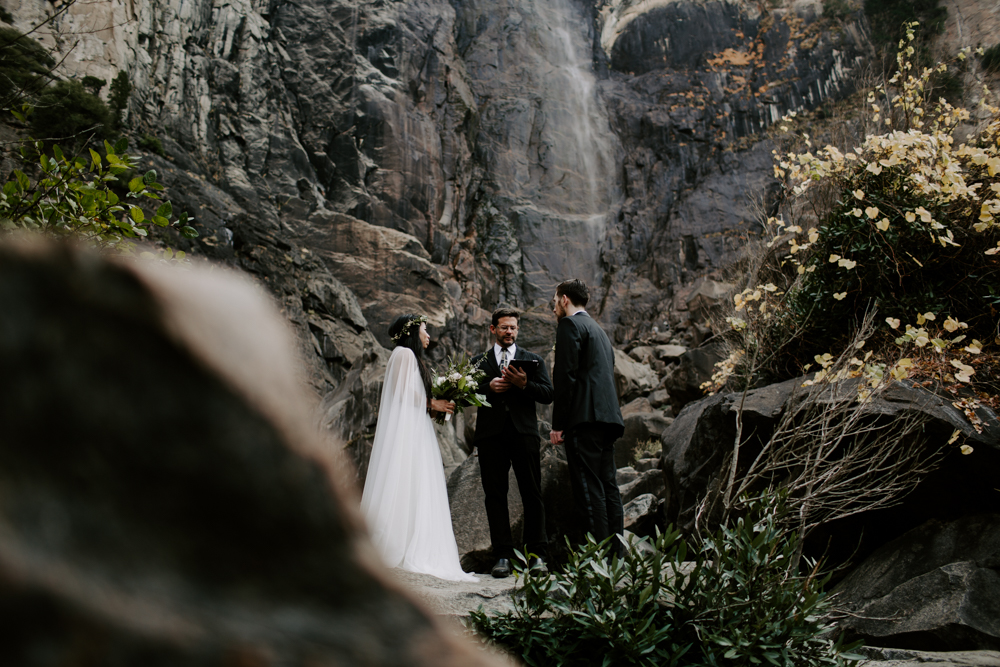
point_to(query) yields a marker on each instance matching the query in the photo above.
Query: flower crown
(418, 320)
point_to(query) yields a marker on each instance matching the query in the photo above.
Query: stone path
(457, 599)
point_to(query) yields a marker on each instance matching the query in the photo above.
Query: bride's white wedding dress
(405, 501)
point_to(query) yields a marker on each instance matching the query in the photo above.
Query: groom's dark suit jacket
(516, 404)
(584, 377)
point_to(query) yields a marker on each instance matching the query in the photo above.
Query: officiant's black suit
(507, 436)
(586, 410)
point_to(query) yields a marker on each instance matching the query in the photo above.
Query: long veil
(405, 501)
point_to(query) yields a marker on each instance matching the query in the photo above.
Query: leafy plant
(93, 84)
(152, 144)
(118, 94)
(66, 112)
(737, 600)
(904, 222)
(76, 196)
(25, 66)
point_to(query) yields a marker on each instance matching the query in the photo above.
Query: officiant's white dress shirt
(498, 351)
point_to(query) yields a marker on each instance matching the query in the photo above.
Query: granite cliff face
(370, 158)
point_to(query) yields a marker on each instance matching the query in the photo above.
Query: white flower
(455, 377)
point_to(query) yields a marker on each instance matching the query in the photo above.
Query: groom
(507, 436)
(585, 414)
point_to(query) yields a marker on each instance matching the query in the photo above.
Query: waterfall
(548, 136)
(584, 152)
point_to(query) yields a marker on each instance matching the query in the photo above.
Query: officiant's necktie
(503, 358)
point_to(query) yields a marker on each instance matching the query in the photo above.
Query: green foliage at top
(25, 66)
(119, 92)
(66, 112)
(81, 197)
(737, 600)
(93, 84)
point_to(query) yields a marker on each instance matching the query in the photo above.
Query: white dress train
(405, 501)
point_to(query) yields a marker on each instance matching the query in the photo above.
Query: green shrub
(118, 94)
(75, 196)
(25, 67)
(991, 59)
(738, 601)
(93, 84)
(152, 144)
(66, 112)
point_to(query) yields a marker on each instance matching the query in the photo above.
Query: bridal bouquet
(459, 383)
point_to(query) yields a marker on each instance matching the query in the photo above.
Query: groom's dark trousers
(507, 437)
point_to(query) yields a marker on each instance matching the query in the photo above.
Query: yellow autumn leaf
(834, 258)
(892, 322)
(859, 194)
(883, 224)
(910, 216)
(872, 212)
(839, 296)
(847, 264)
(966, 449)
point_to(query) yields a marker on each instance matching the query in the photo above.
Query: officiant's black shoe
(537, 566)
(501, 569)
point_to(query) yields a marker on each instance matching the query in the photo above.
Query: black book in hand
(529, 366)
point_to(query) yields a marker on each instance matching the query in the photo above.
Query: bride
(405, 501)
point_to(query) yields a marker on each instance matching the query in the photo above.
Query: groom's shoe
(537, 566)
(501, 569)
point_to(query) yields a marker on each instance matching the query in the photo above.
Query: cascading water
(583, 152)
(544, 135)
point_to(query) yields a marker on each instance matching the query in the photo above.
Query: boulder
(625, 475)
(651, 481)
(934, 588)
(636, 406)
(642, 515)
(696, 367)
(644, 354)
(642, 433)
(168, 498)
(660, 398)
(632, 379)
(708, 296)
(670, 352)
(894, 657)
(642, 465)
(697, 442)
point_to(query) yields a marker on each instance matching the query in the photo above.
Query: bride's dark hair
(409, 337)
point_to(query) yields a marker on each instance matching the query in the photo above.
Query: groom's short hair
(576, 290)
(505, 311)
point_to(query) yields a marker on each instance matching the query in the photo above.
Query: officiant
(507, 437)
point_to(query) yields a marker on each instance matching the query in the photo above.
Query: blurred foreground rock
(166, 498)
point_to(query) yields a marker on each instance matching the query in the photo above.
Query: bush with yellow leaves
(912, 233)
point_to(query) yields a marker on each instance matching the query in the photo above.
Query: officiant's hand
(555, 437)
(441, 405)
(499, 385)
(515, 376)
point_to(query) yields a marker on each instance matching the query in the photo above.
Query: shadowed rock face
(166, 497)
(442, 157)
